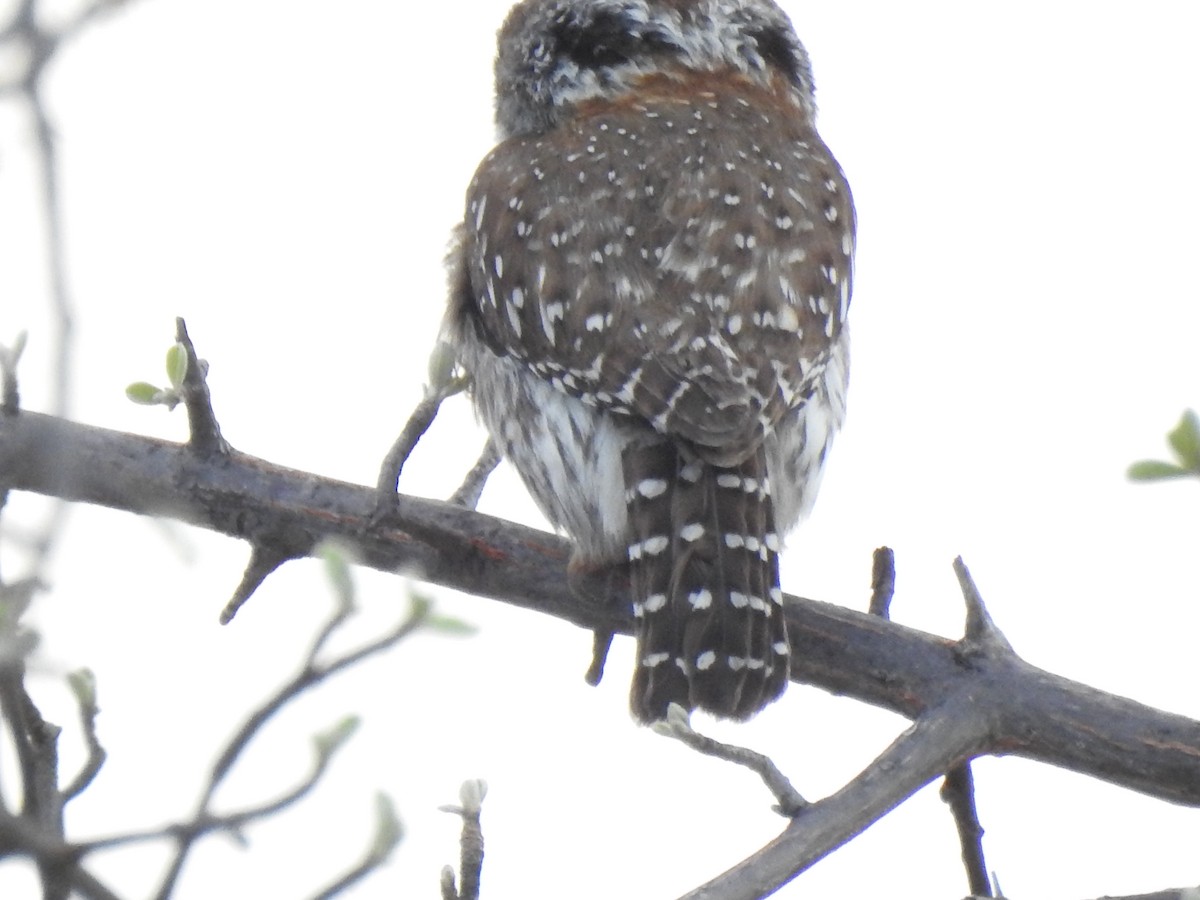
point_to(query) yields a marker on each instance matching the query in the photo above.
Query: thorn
(980, 629)
(263, 561)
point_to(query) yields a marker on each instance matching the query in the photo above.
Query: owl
(649, 290)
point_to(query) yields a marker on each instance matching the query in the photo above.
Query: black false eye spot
(608, 40)
(777, 51)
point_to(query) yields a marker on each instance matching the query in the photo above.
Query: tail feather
(704, 578)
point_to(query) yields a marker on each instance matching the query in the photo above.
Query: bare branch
(958, 791)
(1033, 713)
(922, 753)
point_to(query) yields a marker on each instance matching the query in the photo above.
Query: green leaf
(449, 625)
(1184, 439)
(1155, 470)
(389, 831)
(329, 742)
(83, 686)
(419, 606)
(337, 558)
(144, 393)
(177, 365)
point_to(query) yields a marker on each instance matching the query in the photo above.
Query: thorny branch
(1037, 715)
(958, 789)
(969, 697)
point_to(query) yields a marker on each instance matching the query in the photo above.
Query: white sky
(285, 175)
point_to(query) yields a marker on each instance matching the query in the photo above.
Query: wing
(682, 258)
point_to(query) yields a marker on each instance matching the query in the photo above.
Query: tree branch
(1032, 713)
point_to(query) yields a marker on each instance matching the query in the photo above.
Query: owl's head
(556, 54)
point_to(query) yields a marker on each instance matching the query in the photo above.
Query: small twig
(939, 738)
(10, 395)
(388, 834)
(883, 582)
(789, 803)
(205, 433)
(958, 791)
(84, 687)
(470, 868)
(36, 742)
(360, 871)
(18, 835)
(263, 561)
(311, 673)
(470, 490)
(206, 823)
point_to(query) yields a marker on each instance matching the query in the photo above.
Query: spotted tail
(705, 582)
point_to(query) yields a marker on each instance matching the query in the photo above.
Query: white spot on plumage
(787, 320)
(656, 545)
(655, 602)
(692, 532)
(551, 313)
(705, 660)
(701, 599)
(514, 318)
(652, 487)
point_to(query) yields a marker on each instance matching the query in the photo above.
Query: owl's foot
(597, 583)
